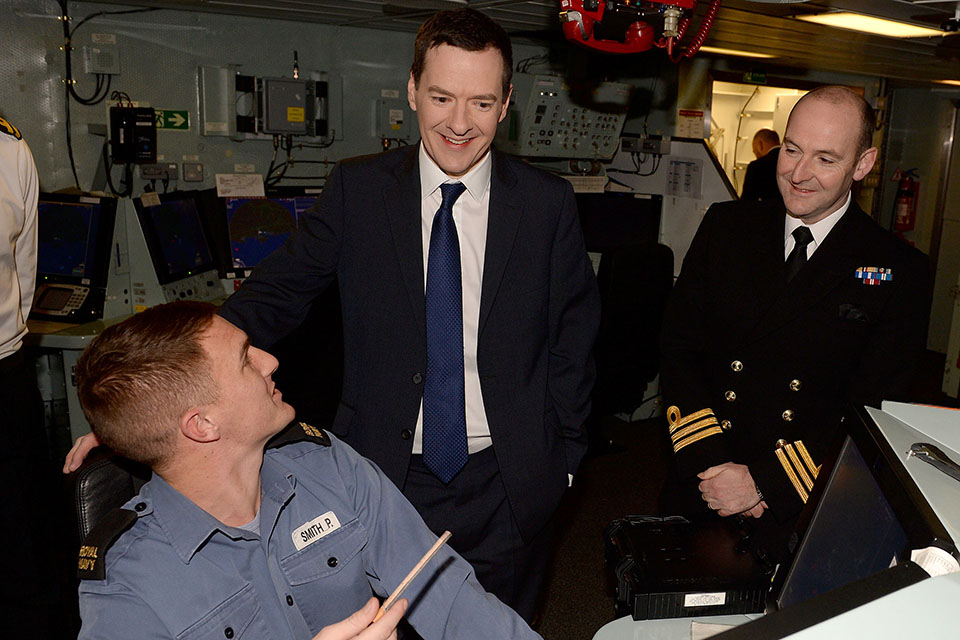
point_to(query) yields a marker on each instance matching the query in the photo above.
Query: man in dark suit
(512, 390)
(760, 181)
(467, 380)
(781, 317)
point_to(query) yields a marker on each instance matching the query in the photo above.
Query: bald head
(764, 140)
(840, 96)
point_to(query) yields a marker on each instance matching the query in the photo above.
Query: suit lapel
(503, 219)
(826, 269)
(401, 201)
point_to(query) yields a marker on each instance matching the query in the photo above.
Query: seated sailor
(229, 540)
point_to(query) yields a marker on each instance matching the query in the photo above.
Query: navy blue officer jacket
(757, 371)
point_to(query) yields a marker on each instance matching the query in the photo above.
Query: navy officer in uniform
(781, 315)
(230, 542)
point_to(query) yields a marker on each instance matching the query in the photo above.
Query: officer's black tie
(798, 257)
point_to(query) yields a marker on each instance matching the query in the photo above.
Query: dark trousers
(29, 588)
(474, 507)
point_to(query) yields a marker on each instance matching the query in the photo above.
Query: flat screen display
(74, 238)
(854, 532)
(66, 238)
(259, 226)
(175, 236)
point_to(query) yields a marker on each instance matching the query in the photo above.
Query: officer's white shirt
(819, 229)
(18, 230)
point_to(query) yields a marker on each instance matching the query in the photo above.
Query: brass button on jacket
(737, 366)
(726, 425)
(795, 385)
(730, 396)
(787, 415)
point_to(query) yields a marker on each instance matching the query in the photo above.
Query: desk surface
(666, 629)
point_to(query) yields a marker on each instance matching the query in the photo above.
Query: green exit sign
(176, 120)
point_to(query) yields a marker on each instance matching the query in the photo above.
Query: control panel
(203, 286)
(547, 119)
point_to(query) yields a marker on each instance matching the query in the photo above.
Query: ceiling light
(869, 24)
(955, 83)
(735, 52)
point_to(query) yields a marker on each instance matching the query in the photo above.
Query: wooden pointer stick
(413, 574)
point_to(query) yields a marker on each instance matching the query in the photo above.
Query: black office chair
(634, 284)
(104, 482)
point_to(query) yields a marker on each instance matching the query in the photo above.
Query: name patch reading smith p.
(317, 528)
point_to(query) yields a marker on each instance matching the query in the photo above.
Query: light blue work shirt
(333, 530)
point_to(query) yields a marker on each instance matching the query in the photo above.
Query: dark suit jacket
(774, 362)
(539, 312)
(760, 181)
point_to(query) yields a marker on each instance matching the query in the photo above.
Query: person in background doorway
(760, 181)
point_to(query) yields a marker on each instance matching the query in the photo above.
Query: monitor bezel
(164, 274)
(219, 222)
(99, 272)
(914, 513)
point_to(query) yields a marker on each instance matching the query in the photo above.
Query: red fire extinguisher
(905, 206)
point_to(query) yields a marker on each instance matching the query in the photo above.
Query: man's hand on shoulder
(358, 626)
(729, 489)
(81, 447)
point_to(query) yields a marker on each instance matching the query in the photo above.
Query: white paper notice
(685, 178)
(150, 199)
(703, 630)
(240, 185)
(690, 123)
(935, 561)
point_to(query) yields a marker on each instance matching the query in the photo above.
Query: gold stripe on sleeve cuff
(791, 474)
(676, 422)
(814, 469)
(693, 428)
(700, 435)
(801, 469)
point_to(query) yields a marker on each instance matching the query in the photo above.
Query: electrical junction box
(101, 58)
(393, 118)
(133, 134)
(287, 106)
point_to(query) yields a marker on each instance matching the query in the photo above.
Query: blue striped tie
(444, 409)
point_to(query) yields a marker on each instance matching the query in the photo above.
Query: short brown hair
(838, 94)
(138, 377)
(466, 29)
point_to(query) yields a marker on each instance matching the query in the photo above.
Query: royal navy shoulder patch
(874, 275)
(298, 431)
(91, 563)
(9, 129)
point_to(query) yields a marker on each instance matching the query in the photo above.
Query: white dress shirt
(819, 229)
(18, 231)
(470, 216)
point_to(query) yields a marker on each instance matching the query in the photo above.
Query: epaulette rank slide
(298, 431)
(9, 129)
(692, 428)
(91, 563)
(798, 465)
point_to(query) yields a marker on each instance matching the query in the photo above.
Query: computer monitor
(74, 240)
(257, 227)
(174, 234)
(868, 516)
(247, 230)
